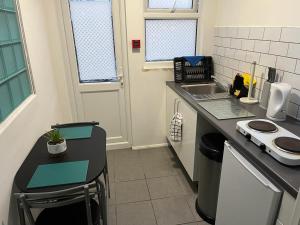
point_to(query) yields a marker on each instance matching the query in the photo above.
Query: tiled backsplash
(235, 48)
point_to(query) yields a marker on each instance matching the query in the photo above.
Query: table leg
(21, 213)
(103, 203)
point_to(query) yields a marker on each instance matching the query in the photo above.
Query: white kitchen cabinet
(185, 149)
(245, 196)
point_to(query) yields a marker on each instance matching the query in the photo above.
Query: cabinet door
(246, 196)
(187, 146)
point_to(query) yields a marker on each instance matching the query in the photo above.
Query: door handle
(121, 79)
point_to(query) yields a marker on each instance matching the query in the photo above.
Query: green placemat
(76, 132)
(59, 173)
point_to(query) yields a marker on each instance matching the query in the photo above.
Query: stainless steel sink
(206, 91)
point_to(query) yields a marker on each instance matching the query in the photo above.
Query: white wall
(20, 131)
(258, 13)
(147, 87)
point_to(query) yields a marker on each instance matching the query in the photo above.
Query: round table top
(92, 149)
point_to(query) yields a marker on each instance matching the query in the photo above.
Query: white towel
(175, 131)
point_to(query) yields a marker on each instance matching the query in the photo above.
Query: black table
(92, 149)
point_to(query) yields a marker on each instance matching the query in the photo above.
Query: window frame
(195, 8)
(168, 14)
(27, 66)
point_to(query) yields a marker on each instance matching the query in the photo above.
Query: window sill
(163, 65)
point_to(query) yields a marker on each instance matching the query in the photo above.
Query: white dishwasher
(246, 197)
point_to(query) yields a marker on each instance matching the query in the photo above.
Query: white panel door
(93, 32)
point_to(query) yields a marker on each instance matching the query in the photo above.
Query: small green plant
(54, 137)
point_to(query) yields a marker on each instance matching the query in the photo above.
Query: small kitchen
(150, 112)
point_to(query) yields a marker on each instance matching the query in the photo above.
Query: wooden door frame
(71, 65)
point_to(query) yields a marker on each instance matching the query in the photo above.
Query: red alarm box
(136, 44)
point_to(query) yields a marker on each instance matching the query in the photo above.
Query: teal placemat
(59, 173)
(76, 132)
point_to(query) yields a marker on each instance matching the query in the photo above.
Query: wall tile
(243, 32)
(223, 61)
(286, 64)
(216, 31)
(228, 72)
(222, 31)
(229, 52)
(245, 67)
(262, 46)
(221, 51)
(292, 109)
(272, 33)
(240, 55)
(216, 59)
(256, 33)
(279, 48)
(218, 41)
(295, 96)
(252, 56)
(233, 64)
(260, 71)
(292, 79)
(267, 60)
(298, 67)
(236, 43)
(294, 51)
(219, 69)
(232, 32)
(226, 42)
(290, 34)
(248, 45)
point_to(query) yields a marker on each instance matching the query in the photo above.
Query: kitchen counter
(288, 178)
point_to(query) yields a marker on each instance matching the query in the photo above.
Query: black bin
(211, 153)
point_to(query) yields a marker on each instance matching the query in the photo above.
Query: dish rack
(185, 71)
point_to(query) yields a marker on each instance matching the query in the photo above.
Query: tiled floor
(149, 188)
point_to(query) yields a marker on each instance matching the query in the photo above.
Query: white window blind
(94, 39)
(167, 39)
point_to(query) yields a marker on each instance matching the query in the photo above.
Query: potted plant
(56, 143)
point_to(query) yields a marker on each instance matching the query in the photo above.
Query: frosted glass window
(170, 4)
(94, 40)
(167, 39)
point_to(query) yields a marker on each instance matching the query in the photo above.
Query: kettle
(278, 101)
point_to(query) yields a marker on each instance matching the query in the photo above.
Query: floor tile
(140, 213)
(128, 165)
(112, 217)
(198, 223)
(171, 211)
(189, 186)
(112, 199)
(160, 168)
(165, 187)
(128, 172)
(156, 154)
(191, 200)
(131, 191)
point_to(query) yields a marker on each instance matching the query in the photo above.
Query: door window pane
(93, 34)
(170, 4)
(167, 39)
(15, 85)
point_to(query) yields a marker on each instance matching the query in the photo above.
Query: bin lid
(212, 146)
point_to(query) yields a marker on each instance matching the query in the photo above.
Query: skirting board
(142, 147)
